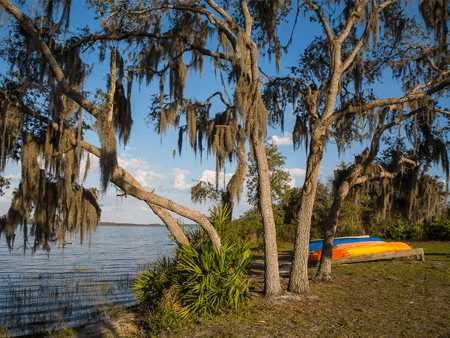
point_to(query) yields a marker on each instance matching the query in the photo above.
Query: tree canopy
(44, 106)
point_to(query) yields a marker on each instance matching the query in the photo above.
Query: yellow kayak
(377, 248)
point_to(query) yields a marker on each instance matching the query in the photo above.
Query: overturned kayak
(317, 244)
(350, 237)
(350, 245)
(363, 250)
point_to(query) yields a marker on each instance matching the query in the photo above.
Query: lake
(75, 284)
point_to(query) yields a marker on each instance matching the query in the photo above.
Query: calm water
(75, 285)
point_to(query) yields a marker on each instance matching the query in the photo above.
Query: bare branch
(445, 112)
(231, 23)
(362, 40)
(247, 18)
(221, 98)
(323, 21)
(350, 21)
(115, 37)
(46, 53)
(164, 69)
(412, 95)
(373, 176)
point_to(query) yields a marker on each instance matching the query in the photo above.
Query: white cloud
(16, 177)
(292, 182)
(210, 176)
(297, 172)
(283, 140)
(93, 165)
(7, 197)
(145, 177)
(132, 163)
(179, 180)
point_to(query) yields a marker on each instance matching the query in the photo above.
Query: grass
(398, 298)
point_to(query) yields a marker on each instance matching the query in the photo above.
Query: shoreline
(138, 225)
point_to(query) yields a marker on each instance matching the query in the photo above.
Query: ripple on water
(75, 284)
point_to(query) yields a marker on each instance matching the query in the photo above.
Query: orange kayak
(363, 250)
(350, 245)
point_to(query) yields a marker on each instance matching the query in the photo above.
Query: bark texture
(298, 283)
(272, 275)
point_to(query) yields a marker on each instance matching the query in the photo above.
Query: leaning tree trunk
(272, 275)
(298, 282)
(171, 224)
(324, 271)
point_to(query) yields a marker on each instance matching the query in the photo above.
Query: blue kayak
(316, 244)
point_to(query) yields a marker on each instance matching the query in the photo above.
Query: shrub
(198, 280)
(211, 280)
(415, 232)
(399, 231)
(437, 229)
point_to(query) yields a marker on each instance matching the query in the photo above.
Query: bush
(212, 280)
(199, 280)
(437, 229)
(399, 231)
(415, 232)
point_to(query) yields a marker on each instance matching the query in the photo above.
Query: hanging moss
(108, 154)
(54, 203)
(11, 123)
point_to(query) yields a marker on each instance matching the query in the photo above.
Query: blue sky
(148, 156)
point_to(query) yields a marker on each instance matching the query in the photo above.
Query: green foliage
(399, 231)
(220, 218)
(415, 232)
(199, 280)
(279, 178)
(437, 229)
(350, 220)
(212, 280)
(154, 282)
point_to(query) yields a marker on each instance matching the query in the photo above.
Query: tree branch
(231, 23)
(247, 18)
(164, 69)
(127, 183)
(362, 39)
(106, 37)
(46, 53)
(221, 98)
(112, 84)
(373, 176)
(412, 95)
(350, 21)
(323, 21)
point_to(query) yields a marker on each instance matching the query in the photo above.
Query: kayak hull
(363, 250)
(318, 244)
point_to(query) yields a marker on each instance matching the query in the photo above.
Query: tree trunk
(271, 276)
(324, 271)
(122, 179)
(298, 282)
(126, 182)
(171, 224)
